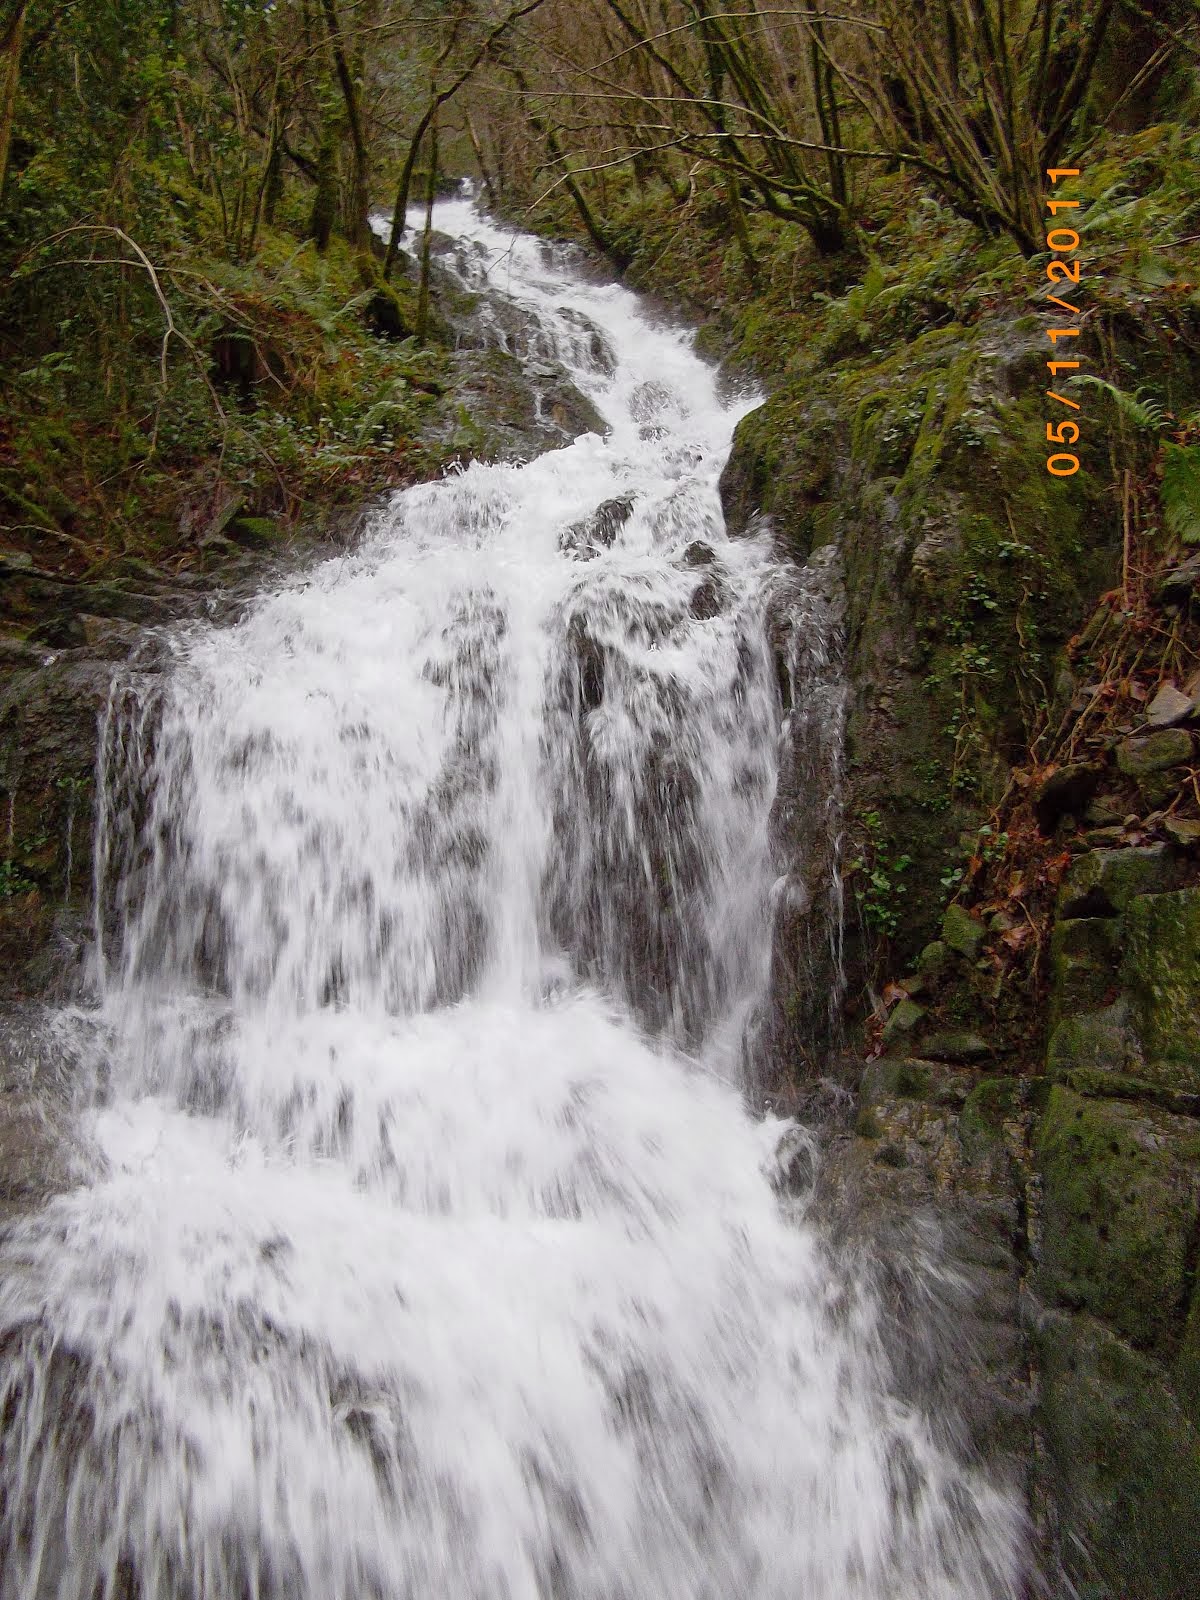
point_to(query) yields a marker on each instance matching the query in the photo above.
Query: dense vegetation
(192, 301)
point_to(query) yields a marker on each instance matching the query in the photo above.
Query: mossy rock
(255, 533)
(1103, 882)
(1120, 1206)
(1123, 1465)
(933, 959)
(1162, 973)
(989, 1106)
(1085, 956)
(1155, 752)
(962, 933)
(905, 1080)
(955, 1044)
(904, 1018)
(1098, 1041)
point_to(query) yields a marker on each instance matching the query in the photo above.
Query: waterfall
(423, 1245)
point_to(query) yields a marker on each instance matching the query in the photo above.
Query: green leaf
(1181, 491)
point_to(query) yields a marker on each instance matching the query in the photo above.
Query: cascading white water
(424, 1246)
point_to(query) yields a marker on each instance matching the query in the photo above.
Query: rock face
(807, 978)
(1117, 1156)
(917, 465)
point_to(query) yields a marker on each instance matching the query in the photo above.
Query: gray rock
(1170, 705)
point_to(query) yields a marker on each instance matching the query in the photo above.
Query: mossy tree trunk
(10, 74)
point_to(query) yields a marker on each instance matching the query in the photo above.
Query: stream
(422, 1243)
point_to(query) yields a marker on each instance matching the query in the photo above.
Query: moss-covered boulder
(962, 933)
(1103, 882)
(1120, 1206)
(905, 1017)
(1154, 752)
(1161, 971)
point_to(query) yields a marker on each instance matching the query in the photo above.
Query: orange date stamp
(1064, 275)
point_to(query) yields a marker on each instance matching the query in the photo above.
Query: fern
(1181, 491)
(1142, 409)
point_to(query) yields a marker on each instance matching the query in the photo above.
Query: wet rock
(109, 638)
(1124, 1463)
(699, 554)
(962, 933)
(706, 600)
(589, 657)
(48, 720)
(1103, 882)
(64, 631)
(593, 348)
(1120, 1204)
(1162, 973)
(599, 530)
(1065, 792)
(33, 1144)
(1154, 752)
(18, 652)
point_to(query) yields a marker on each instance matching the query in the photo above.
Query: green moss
(962, 933)
(1120, 1204)
(1103, 882)
(1162, 972)
(907, 1080)
(904, 1018)
(1124, 1464)
(987, 1108)
(1097, 1041)
(1084, 957)
(867, 1124)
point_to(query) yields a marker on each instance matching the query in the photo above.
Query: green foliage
(1181, 491)
(14, 881)
(877, 874)
(1142, 409)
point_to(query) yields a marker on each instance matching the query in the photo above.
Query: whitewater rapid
(422, 1243)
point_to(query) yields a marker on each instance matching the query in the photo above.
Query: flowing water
(422, 1244)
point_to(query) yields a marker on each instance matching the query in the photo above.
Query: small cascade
(422, 1243)
(808, 978)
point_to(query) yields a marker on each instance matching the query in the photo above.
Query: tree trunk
(324, 206)
(427, 237)
(10, 72)
(360, 182)
(400, 209)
